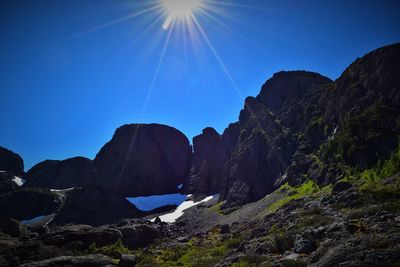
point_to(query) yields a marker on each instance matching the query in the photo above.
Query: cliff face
(11, 162)
(302, 125)
(143, 159)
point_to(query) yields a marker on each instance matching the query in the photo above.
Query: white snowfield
(173, 216)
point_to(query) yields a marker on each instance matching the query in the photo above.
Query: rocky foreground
(344, 225)
(308, 176)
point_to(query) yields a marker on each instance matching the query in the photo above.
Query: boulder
(224, 229)
(11, 162)
(138, 235)
(341, 186)
(143, 159)
(304, 244)
(127, 260)
(12, 227)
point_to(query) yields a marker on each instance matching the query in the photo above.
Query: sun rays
(183, 23)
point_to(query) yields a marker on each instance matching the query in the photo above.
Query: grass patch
(114, 250)
(293, 193)
(371, 179)
(217, 207)
(206, 251)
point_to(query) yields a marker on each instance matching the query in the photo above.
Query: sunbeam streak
(156, 73)
(215, 53)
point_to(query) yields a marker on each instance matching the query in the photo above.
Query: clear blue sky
(69, 77)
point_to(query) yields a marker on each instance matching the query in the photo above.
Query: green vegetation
(279, 239)
(373, 177)
(217, 207)
(114, 250)
(253, 261)
(360, 134)
(293, 193)
(206, 251)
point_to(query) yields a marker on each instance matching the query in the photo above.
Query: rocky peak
(204, 145)
(11, 162)
(286, 85)
(143, 159)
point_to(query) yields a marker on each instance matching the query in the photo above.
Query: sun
(182, 10)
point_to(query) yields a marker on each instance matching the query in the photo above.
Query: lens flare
(182, 10)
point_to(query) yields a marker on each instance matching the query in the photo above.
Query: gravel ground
(201, 218)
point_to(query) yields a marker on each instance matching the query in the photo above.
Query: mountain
(140, 159)
(309, 175)
(303, 125)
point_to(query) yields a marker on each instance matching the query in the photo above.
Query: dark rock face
(95, 206)
(286, 87)
(139, 235)
(6, 182)
(26, 204)
(59, 174)
(300, 117)
(364, 103)
(11, 162)
(209, 158)
(143, 159)
(266, 145)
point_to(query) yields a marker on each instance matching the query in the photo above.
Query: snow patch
(62, 190)
(33, 220)
(173, 216)
(18, 180)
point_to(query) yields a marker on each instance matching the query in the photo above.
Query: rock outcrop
(7, 182)
(11, 162)
(26, 204)
(255, 152)
(95, 206)
(59, 174)
(143, 159)
(302, 125)
(209, 158)
(140, 159)
(364, 103)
